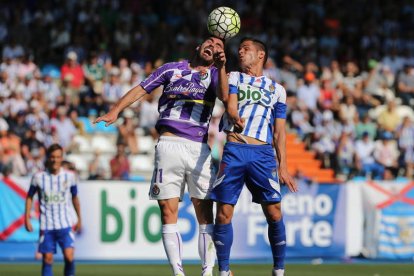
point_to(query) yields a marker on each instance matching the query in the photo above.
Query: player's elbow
(224, 97)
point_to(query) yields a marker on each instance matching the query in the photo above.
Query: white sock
(173, 246)
(225, 273)
(206, 248)
(278, 272)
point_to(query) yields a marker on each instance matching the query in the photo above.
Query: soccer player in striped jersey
(182, 156)
(56, 188)
(255, 120)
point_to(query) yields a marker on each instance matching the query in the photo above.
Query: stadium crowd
(348, 72)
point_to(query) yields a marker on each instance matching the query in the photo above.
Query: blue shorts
(48, 239)
(254, 165)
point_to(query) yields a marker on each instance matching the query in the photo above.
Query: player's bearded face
(209, 47)
(54, 161)
(248, 55)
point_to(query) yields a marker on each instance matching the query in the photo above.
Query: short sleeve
(157, 78)
(33, 187)
(280, 108)
(73, 184)
(234, 78)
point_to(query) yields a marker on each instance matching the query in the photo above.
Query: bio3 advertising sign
(314, 221)
(119, 222)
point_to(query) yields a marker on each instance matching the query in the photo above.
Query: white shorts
(179, 161)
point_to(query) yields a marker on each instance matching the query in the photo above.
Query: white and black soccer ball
(223, 22)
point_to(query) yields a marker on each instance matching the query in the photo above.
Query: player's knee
(223, 218)
(68, 254)
(273, 212)
(277, 216)
(168, 214)
(48, 258)
(69, 258)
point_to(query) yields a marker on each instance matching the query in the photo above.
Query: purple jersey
(187, 100)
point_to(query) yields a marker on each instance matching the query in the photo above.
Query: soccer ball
(223, 22)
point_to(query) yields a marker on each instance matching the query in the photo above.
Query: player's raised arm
(223, 83)
(129, 98)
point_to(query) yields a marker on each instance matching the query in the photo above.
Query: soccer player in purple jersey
(54, 186)
(248, 156)
(182, 155)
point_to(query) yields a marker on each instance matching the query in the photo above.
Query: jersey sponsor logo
(155, 190)
(189, 87)
(250, 93)
(54, 197)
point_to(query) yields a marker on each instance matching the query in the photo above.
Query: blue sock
(223, 239)
(277, 238)
(69, 268)
(46, 269)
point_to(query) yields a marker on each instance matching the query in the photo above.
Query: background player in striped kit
(182, 155)
(54, 187)
(248, 156)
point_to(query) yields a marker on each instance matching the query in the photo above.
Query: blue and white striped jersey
(260, 101)
(54, 191)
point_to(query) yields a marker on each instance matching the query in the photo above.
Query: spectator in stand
(50, 89)
(27, 66)
(94, 72)
(148, 115)
(74, 117)
(32, 149)
(406, 84)
(375, 82)
(388, 119)
(366, 125)
(125, 74)
(328, 98)
(64, 127)
(365, 161)
(309, 92)
(386, 153)
(112, 90)
(18, 124)
(300, 120)
(345, 154)
(347, 110)
(405, 135)
(271, 71)
(352, 83)
(72, 71)
(120, 167)
(287, 73)
(96, 167)
(126, 132)
(326, 136)
(16, 103)
(37, 117)
(337, 76)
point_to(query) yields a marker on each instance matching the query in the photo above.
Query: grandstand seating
(301, 160)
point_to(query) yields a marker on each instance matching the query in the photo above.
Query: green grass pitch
(239, 270)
